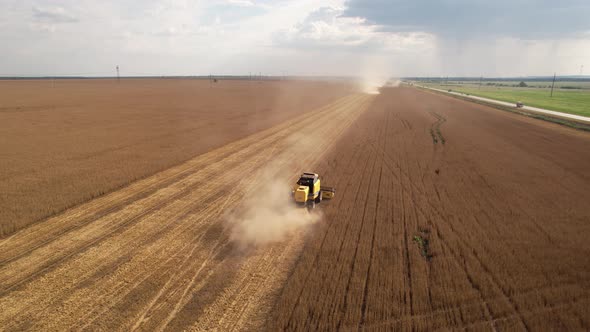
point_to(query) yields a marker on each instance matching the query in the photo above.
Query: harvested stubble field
(156, 254)
(447, 215)
(64, 142)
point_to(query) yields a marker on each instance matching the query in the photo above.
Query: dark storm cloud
(527, 19)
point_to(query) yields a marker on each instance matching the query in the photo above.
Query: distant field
(533, 84)
(574, 101)
(448, 215)
(72, 140)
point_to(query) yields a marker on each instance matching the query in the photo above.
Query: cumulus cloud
(245, 3)
(184, 30)
(305, 37)
(327, 28)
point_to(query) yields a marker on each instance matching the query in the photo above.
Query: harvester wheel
(319, 198)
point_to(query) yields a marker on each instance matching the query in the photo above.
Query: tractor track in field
(130, 222)
(127, 195)
(435, 132)
(314, 262)
(135, 258)
(483, 202)
(151, 185)
(412, 189)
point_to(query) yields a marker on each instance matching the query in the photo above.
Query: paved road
(527, 108)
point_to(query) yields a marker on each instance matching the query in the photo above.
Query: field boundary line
(554, 118)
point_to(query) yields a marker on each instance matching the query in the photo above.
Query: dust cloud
(268, 213)
(371, 85)
(374, 74)
(393, 83)
(268, 216)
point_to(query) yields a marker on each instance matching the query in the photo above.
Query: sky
(305, 37)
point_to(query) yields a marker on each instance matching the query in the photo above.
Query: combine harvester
(308, 191)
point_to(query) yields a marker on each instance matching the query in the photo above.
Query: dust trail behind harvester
(374, 74)
(371, 84)
(268, 213)
(270, 216)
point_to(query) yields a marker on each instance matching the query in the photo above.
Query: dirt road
(155, 255)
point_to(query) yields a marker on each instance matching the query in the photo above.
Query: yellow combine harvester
(308, 191)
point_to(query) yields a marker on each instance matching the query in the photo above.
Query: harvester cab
(308, 190)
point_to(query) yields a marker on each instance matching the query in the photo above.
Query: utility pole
(582, 70)
(480, 79)
(118, 78)
(553, 84)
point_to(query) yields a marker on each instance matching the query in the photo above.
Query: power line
(553, 84)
